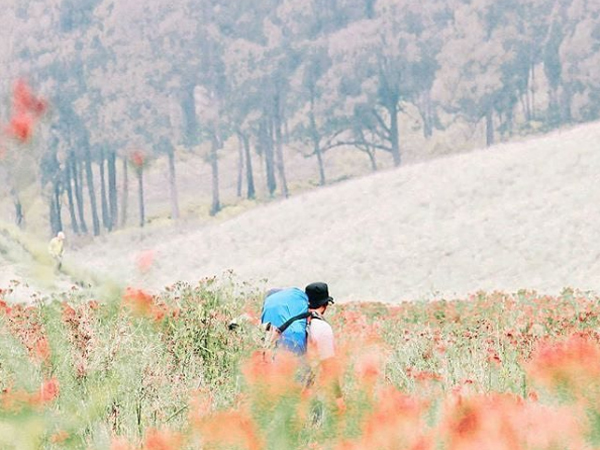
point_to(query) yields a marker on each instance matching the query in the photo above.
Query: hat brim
(323, 302)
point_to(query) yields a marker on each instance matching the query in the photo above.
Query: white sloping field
(518, 216)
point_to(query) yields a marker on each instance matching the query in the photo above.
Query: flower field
(136, 371)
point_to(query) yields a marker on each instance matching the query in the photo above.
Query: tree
(580, 55)
(469, 82)
(376, 67)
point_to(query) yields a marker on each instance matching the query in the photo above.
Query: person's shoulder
(320, 325)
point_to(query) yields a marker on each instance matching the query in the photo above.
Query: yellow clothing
(56, 248)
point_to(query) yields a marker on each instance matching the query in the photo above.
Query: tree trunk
(316, 140)
(489, 127)
(91, 190)
(249, 175)
(69, 188)
(19, 216)
(106, 219)
(266, 138)
(371, 153)
(240, 174)
(394, 138)
(124, 194)
(54, 227)
(140, 176)
(214, 164)
(112, 189)
(55, 209)
(190, 122)
(78, 192)
(173, 183)
(565, 102)
(533, 113)
(279, 144)
(426, 111)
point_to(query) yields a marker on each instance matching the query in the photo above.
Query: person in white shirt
(321, 343)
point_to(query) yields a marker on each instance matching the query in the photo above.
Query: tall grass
(165, 372)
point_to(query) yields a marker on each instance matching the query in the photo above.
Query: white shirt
(320, 339)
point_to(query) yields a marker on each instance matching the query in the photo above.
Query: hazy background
(189, 113)
(227, 100)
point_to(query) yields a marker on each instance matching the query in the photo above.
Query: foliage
(122, 75)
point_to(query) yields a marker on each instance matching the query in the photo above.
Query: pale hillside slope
(522, 215)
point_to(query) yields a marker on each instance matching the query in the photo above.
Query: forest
(128, 82)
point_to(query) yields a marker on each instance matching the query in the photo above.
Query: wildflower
(15, 400)
(200, 407)
(4, 308)
(573, 364)
(20, 127)
(93, 305)
(120, 443)
(368, 367)
(478, 422)
(162, 440)
(273, 376)
(41, 349)
(138, 301)
(49, 391)
(230, 429)
(144, 260)
(59, 437)
(395, 423)
(68, 313)
(137, 159)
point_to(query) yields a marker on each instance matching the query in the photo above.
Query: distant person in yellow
(56, 248)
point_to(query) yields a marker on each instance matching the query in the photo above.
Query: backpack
(285, 317)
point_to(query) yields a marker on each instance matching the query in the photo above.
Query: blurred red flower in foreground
(49, 390)
(144, 260)
(143, 304)
(507, 422)
(396, 422)
(139, 301)
(27, 108)
(15, 400)
(162, 440)
(59, 437)
(120, 443)
(137, 158)
(24, 101)
(227, 429)
(573, 364)
(21, 127)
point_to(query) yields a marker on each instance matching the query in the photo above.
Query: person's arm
(328, 363)
(52, 247)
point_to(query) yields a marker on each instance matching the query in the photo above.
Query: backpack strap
(291, 320)
(305, 315)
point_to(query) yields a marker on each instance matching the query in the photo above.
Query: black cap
(318, 295)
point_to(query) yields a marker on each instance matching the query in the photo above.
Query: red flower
(144, 260)
(162, 440)
(59, 437)
(49, 390)
(138, 301)
(41, 349)
(120, 443)
(137, 158)
(20, 127)
(573, 363)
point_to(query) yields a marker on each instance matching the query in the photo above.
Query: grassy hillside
(518, 215)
